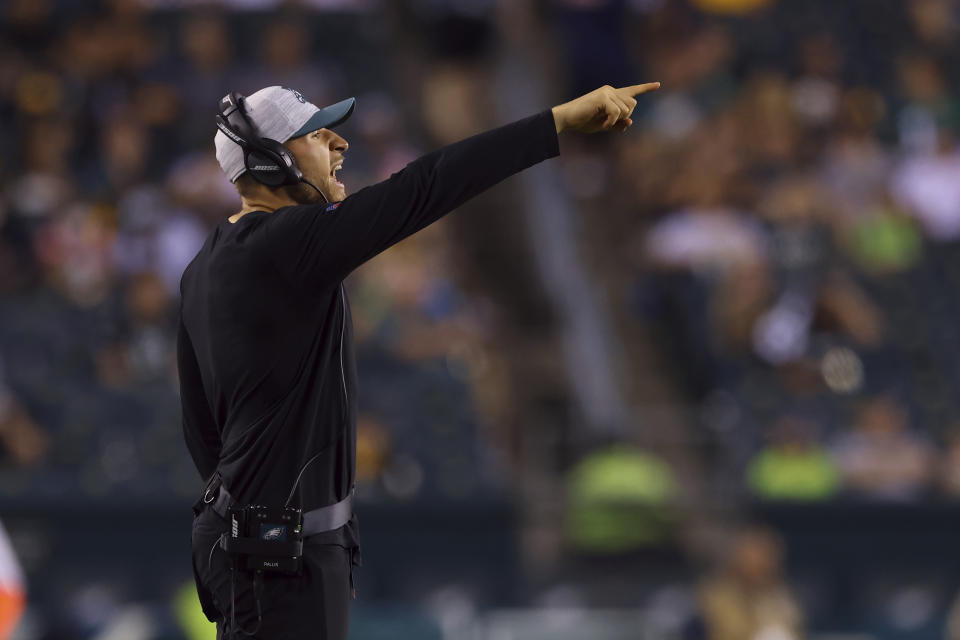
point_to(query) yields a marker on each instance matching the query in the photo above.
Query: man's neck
(268, 202)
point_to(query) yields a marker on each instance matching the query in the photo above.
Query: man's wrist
(558, 118)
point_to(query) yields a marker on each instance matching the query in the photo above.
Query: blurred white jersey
(12, 587)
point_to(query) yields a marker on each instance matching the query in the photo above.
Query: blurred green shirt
(619, 500)
(776, 474)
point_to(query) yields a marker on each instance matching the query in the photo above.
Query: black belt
(316, 521)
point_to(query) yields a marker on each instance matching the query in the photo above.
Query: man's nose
(339, 144)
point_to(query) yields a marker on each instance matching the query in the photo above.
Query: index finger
(637, 89)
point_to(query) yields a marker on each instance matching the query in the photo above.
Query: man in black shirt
(265, 350)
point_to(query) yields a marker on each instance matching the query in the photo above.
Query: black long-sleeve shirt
(264, 349)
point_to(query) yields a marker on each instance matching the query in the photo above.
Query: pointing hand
(603, 109)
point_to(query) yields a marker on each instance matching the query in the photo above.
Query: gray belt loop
(328, 518)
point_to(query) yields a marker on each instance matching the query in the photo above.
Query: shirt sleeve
(322, 244)
(199, 428)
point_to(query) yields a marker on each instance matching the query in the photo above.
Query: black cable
(346, 400)
(296, 482)
(210, 555)
(315, 189)
(257, 592)
(233, 603)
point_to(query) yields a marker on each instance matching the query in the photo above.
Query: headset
(268, 161)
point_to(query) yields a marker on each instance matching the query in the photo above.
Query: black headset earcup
(273, 164)
(265, 168)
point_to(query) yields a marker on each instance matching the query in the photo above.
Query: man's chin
(336, 192)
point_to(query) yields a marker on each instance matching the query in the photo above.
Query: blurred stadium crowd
(776, 244)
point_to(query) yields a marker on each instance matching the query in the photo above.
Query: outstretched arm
(320, 244)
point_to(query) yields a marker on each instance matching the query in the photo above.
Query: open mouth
(333, 174)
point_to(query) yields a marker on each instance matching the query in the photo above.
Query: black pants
(313, 605)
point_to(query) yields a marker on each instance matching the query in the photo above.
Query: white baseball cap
(278, 113)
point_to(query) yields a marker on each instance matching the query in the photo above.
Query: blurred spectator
(927, 109)
(409, 306)
(926, 185)
(74, 248)
(952, 631)
(206, 44)
(189, 614)
(695, 71)
(196, 183)
(764, 109)
(13, 596)
(384, 146)
(22, 440)
(782, 334)
(794, 466)
(373, 450)
(816, 94)
(949, 471)
(285, 58)
(880, 457)
(749, 598)
(619, 499)
(732, 6)
(885, 241)
(454, 102)
(141, 352)
(707, 241)
(154, 235)
(126, 151)
(855, 167)
(935, 23)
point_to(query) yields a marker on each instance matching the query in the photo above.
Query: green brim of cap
(327, 117)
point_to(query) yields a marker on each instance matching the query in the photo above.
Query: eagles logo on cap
(297, 93)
